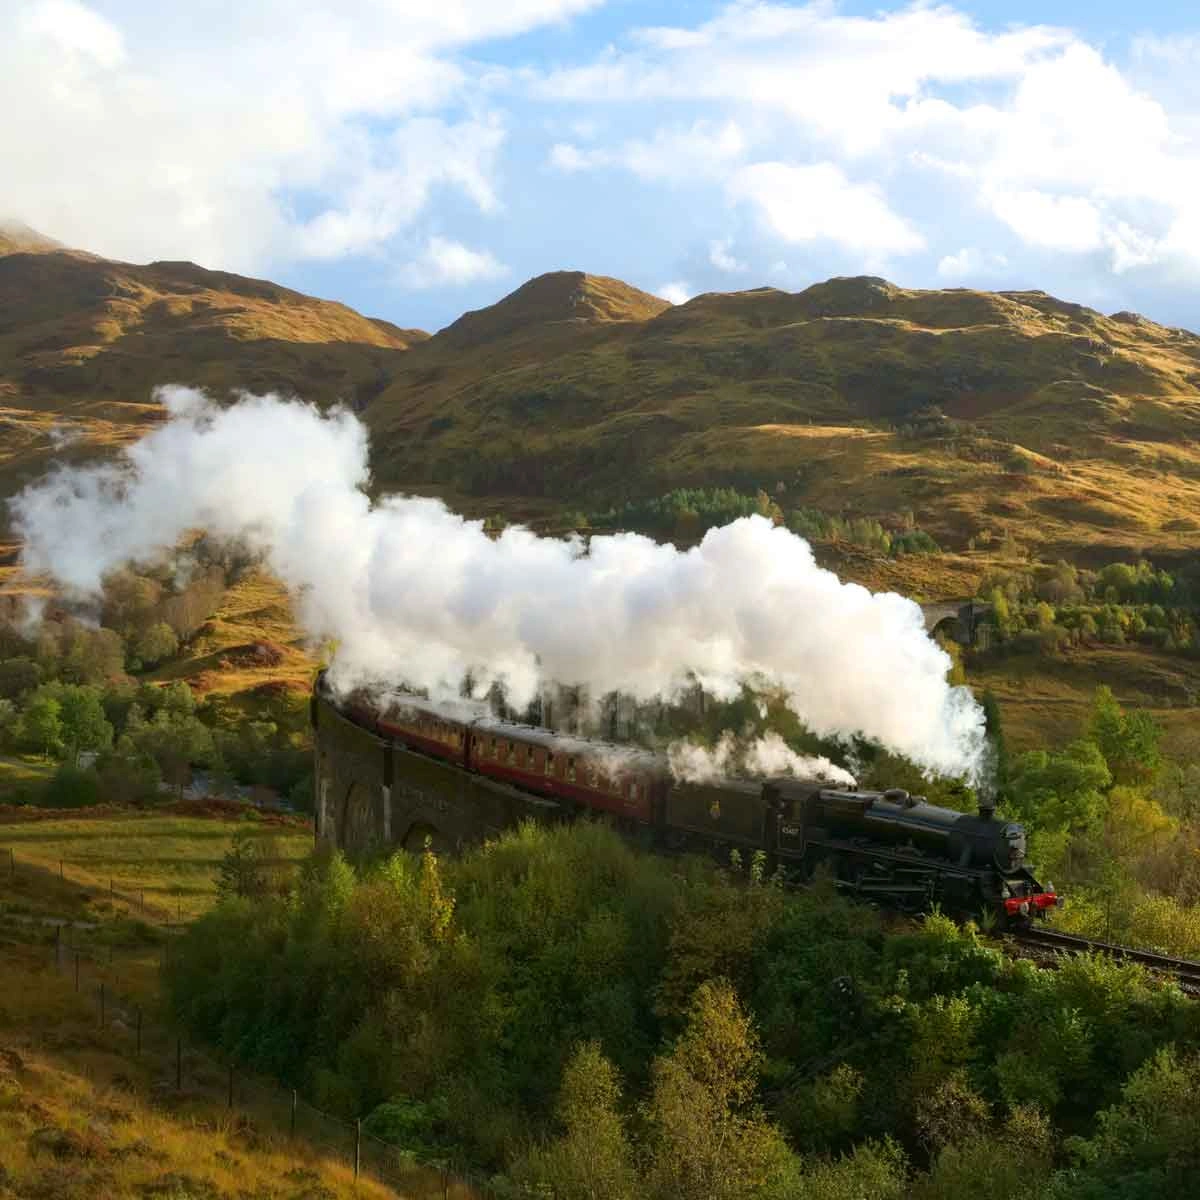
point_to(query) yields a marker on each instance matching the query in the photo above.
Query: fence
(134, 1030)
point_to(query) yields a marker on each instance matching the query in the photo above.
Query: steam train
(892, 847)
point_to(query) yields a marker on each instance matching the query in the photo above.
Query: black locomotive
(892, 847)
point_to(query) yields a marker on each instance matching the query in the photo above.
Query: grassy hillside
(168, 858)
(986, 414)
(81, 1115)
(84, 341)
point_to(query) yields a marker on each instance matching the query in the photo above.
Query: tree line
(587, 1020)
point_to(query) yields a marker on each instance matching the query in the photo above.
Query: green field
(170, 859)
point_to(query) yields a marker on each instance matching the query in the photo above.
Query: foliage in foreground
(595, 1021)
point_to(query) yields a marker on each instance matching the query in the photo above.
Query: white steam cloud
(691, 762)
(415, 593)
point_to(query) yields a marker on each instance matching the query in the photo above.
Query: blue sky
(416, 161)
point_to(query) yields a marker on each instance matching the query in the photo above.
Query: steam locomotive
(892, 847)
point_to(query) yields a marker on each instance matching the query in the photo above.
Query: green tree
(128, 776)
(72, 787)
(1060, 790)
(18, 677)
(593, 1159)
(84, 724)
(248, 866)
(709, 1141)
(175, 742)
(156, 643)
(1128, 741)
(1148, 1144)
(41, 726)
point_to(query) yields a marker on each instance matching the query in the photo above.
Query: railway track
(1184, 970)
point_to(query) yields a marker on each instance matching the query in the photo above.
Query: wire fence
(134, 1027)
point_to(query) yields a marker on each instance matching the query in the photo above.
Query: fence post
(60, 871)
(139, 1031)
(102, 1006)
(58, 947)
(357, 1147)
(294, 1098)
(179, 1063)
(12, 863)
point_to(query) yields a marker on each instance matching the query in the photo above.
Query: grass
(82, 1115)
(81, 1118)
(1075, 432)
(169, 858)
(1046, 701)
(19, 771)
(217, 660)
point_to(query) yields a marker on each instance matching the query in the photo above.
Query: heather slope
(84, 341)
(994, 417)
(987, 414)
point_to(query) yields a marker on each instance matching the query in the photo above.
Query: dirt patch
(19, 813)
(275, 689)
(252, 654)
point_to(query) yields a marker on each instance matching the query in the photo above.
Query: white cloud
(722, 257)
(248, 134)
(818, 202)
(566, 157)
(970, 263)
(1070, 223)
(1033, 126)
(676, 293)
(852, 79)
(74, 29)
(392, 189)
(445, 263)
(700, 149)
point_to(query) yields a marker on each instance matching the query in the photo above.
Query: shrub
(72, 787)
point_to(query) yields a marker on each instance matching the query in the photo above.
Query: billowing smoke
(412, 592)
(768, 755)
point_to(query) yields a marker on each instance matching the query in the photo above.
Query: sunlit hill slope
(987, 414)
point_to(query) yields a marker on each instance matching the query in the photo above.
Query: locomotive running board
(897, 889)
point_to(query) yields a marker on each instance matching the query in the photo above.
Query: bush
(916, 541)
(72, 787)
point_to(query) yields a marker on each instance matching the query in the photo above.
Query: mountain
(992, 416)
(85, 340)
(561, 302)
(986, 414)
(16, 237)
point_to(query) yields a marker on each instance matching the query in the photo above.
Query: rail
(1185, 970)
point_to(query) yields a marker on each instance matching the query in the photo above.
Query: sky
(419, 159)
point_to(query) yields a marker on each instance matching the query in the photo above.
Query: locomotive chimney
(987, 807)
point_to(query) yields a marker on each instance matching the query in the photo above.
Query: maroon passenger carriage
(620, 781)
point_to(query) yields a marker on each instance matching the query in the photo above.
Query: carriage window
(494, 744)
(633, 790)
(549, 767)
(571, 769)
(593, 774)
(529, 756)
(512, 753)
